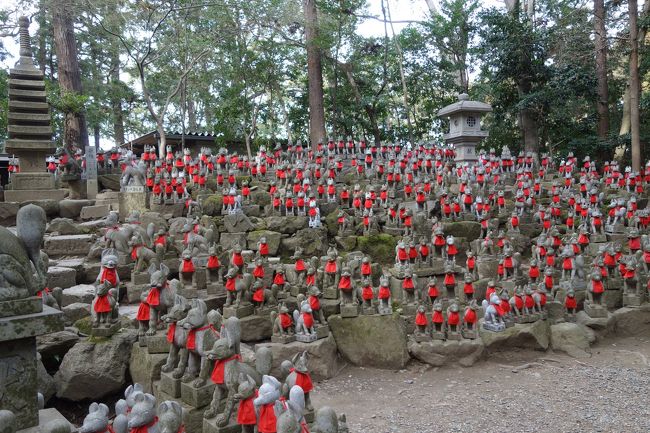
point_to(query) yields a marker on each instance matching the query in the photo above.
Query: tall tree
(633, 9)
(69, 73)
(600, 40)
(314, 74)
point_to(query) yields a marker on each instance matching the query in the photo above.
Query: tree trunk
(634, 85)
(191, 116)
(601, 68)
(116, 101)
(528, 121)
(96, 134)
(162, 139)
(314, 74)
(69, 73)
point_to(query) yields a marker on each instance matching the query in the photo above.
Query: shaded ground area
(516, 391)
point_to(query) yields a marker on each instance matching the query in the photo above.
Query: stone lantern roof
(464, 105)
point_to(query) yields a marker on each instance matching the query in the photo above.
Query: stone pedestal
(594, 310)
(197, 397)
(349, 310)
(283, 339)
(134, 198)
(210, 426)
(106, 331)
(157, 343)
(170, 385)
(306, 338)
(139, 278)
(632, 300)
(421, 338)
(18, 356)
(322, 331)
(243, 310)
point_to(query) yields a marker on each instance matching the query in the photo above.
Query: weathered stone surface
(380, 248)
(68, 245)
(312, 241)
(602, 326)
(8, 212)
(72, 208)
(94, 212)
(272, 238)
(371, 341)
(50, 206)
(256, 328)
(323, 358)
(534, 335)
(570, 338)
(56, 343)
(439, 353)
(144, 368)
(75, 311)
(61, 277)
(46, 385)
(237, 223)
(632, 321)
(228, 240)
(467, 229)
(155, 218)
(65, 226)
(83, 293)
(93, 370)
(286, 225)
(212, 205)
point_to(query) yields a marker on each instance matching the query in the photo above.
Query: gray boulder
(312, 241)
(237, 223)
(286, 225)
(93, 370)
(144, 368)
(46, 385)
(83, 293)
(467, 229)
(570, 338)
(72, 208)
(323, 358)
(56, 343)
(371, 341)
(8, 212)
(632, 321)
(272, 238)
(439, 353)
(256, 328)
(65, 226)
(75, 311)
(534, 335)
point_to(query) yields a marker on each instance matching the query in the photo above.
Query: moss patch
(380, 248)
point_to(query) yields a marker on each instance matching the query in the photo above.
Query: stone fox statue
(227, 369)
(176, 337)
(20, 255)
(97, 419)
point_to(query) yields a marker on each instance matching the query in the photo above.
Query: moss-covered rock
(84, 325)
(371, 341)
(212, 205)
(272, 239)
(261, 197)
(380, 248)
(331, 222)
(468, 229)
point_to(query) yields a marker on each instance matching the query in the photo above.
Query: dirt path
(519, 391)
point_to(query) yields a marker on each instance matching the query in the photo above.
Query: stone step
(83, 293)
(61, 277)
(108, 195)
(27, 73)
(68, 245)
(95, 212)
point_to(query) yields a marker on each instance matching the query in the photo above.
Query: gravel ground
(518, 391)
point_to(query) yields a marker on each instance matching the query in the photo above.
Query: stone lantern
(465, 126)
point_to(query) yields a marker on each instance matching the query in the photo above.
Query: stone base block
(44, 417)
(157, 343)
(19, 307)
(349, 310)
(331, 293)
(494, 327)
(595, 310)
(216, 289)
(468, 334)
(35, 194)
(240, 311)
(197, 397)
(188, 291)
(210, 426)
(409, 310)
(170, 385)
(106, 332)
(283, 339)
(369, 310)
(139, 278)
(454, 336)
(438, 335)
(385, 311)
(306, 338)
(322, 331)
(421, 337)
(632, 300)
